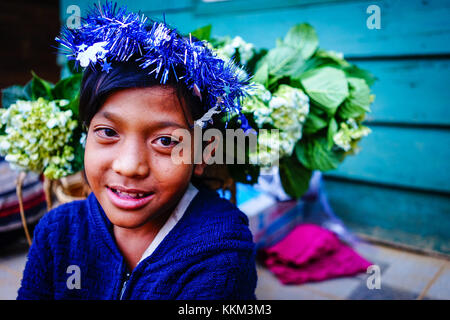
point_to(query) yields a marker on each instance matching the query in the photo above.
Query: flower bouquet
(39, 132)
(314, 98)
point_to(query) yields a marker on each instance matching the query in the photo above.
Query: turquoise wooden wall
(397, 188)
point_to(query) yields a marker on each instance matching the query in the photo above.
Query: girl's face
(128, 156)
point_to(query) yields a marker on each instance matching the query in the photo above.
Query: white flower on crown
(91, 54)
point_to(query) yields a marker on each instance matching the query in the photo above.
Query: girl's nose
(131, 162)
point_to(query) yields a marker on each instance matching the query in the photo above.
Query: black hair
(98, 85)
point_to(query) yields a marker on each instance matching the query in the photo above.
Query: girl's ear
(199, 169)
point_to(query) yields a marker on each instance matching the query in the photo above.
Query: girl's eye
(167, 141)
(105, 132)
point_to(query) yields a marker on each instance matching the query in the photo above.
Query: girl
(148, 230)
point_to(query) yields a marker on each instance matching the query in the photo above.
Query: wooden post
(19, 184)
(48, 192)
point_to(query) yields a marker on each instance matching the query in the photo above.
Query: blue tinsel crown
(110, 34)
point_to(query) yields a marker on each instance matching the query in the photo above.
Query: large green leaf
(40, 88)
(294, 177)
(327, 86)
(358, 101)
(315, 154)
(304, 38)
(355, 72)
(73, 105)
(314, 122)
(67, 88)
(203, 33)
(253, 62)
(331, 57)
(291, 68)
(280, 62)
(262, 74)
(332, 130)
(277, 59)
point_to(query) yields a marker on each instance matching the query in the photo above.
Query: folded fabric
(34, 204)
(312, 253)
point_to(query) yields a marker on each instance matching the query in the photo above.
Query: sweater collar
(173, 219)
(105, 226)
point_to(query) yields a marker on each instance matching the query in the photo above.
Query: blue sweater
(209, 254)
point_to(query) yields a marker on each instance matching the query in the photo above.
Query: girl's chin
(126, 222)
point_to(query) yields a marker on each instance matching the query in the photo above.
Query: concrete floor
(404, 275)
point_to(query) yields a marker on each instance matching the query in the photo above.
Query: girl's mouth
(129, 201)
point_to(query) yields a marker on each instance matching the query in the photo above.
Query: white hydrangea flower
(286, 110)
(37, 137)
(268, 150)
(227, 50)
(348, 132)
(4, 144)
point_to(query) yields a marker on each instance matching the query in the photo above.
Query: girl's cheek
(96, 157)
(165, 168)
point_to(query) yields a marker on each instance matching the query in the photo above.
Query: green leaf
(300, 153)
(331, 57)
(291, 68)
(304, 38)
(73, 105)
(315, 154)
(326, 86)
(332, 130)
(203, 33)
(262, 74)
(253, 62)
(314, 122)
(278, 57)
(67, 88)
(282, 62)
(40, 88)
(358, 101)
(294, 177)
(355, 72)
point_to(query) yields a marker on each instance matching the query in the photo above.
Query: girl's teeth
(134, 195)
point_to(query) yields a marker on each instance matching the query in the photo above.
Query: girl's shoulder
(214, 218)
(211, 204)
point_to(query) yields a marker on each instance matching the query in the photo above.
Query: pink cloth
(312, 253)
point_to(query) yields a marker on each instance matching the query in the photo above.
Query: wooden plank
(135, 6)
(418, 27)
(414, 218)
(208, 7)
(410, 91)
(409, 157)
